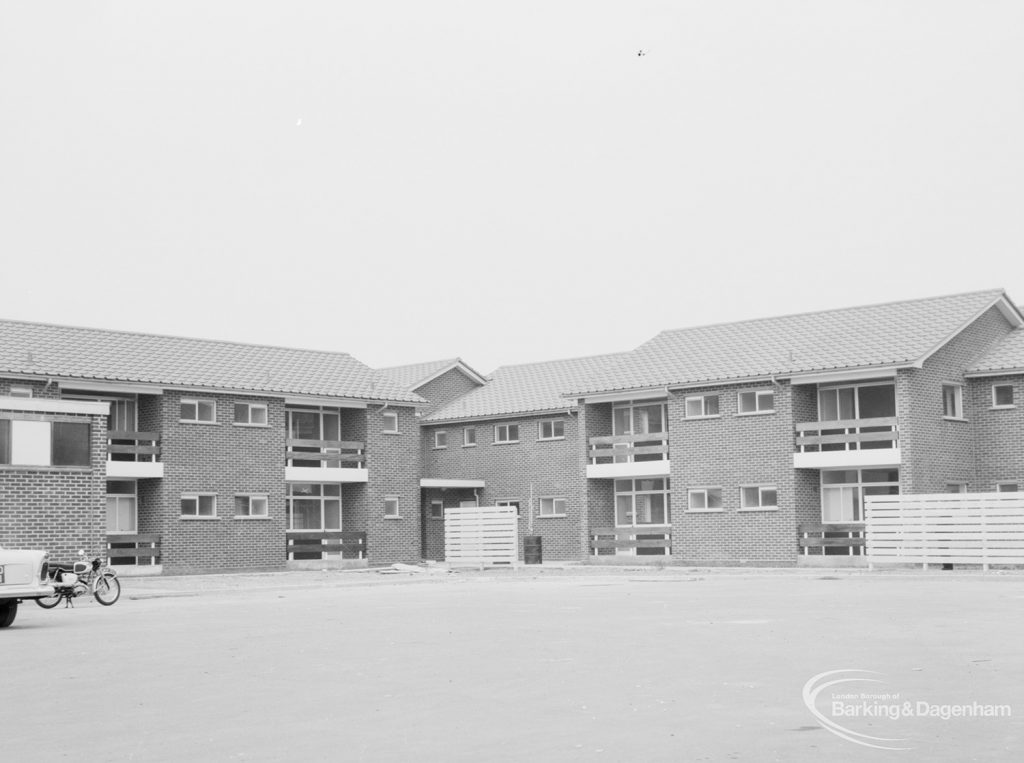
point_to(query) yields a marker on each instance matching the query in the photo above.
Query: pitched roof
(69, 352)
(414, 375)
(857, 337)
(532, 387)
(1006, 356)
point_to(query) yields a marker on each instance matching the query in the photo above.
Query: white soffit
(625, 397)
(46, 405)
(888, 372)
(430, 482)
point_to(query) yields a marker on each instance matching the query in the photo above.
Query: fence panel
(945, 528)
(481, 535)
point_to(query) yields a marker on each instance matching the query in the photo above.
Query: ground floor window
(313, 506)
(843, 491)
(641, 502)
(122, 506)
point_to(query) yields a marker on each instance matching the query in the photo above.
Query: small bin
(532, 549)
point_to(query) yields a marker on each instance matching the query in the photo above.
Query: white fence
(945, 528)
(481, 535)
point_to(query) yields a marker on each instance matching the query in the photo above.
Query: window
(391, 507)
(552, 507)
(953, 401)
(705, 498)
(21, 392)
(315, 424)
(1002, 396)
(552, 430)
(636, 420)
(468, 437)
(643, 501)
(759, 401)
(122, 515)
(440, 439)
(198, 411)
(1006, 487)
(506, 433)
(436, 510)
(44, 443)
(509, 502)
(956, 487)
(251, 414)
(251, 506)
(199, 505)
(843, 491)
(390, 419)
(701, 406)
(313, 506)
(758, 497)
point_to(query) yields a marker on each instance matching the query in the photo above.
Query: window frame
(41, 438)
(555, 500)
(249, 497)
(197, 401)
(1002, 484)
(958, 401)
(554, 423)
(960, 485)
(1003, 406)
(758, 394)
(397, 501)
(508, 431)
(440, 439)
(760, 506)
(469, 437)
(706, 490)
(385, 416)
(196, 496)
(511, 502)
(430, 509)
(249, 407)
(21, 391)
(703, 406)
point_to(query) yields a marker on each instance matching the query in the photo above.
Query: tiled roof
(416, 374)
(118, 356)
(1007, 355)
(533, 387)
(855, 337)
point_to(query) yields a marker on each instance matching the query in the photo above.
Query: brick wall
(393, 461)
(57, 509)
(998, 434)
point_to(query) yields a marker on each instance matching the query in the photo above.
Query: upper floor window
(21, 392)
(436, 509)
(44, 443)
(857, 401)
(506, 433)
(953, 401)
(648, 418)
(552, 430)
(1002, 396)
(552, 507)
(705, 498)
(390, 419)
(756, 401)
(251, 414)
(251, 506)
(198, 411)
(701, 406)
(199, 505)
(758, 497)
(468, 437)
(440, 439)
(391, 507)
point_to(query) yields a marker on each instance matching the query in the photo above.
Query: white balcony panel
(453, 483)
(847, 459)
(629, 469)
(133, 470)
(325, 474)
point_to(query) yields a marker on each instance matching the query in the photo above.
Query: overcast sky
(502, 181)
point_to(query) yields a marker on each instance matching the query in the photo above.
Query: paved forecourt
(617, 665)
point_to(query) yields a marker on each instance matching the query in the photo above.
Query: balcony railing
(851, 434)
(639, 541)
(141, 447)
(831, 539)
(142, 549)
(629, 448)
(313, 544)
(334, 454)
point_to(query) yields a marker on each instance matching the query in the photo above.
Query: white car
(23, 575)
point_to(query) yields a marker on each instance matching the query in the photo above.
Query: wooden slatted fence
(481, 536)
(610, 539)
(945, 528)
(313, 544)
(140, 549)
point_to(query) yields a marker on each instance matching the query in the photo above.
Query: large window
(320, 425)
(843, 491)
(122, 512)
(44, 443)
(641, 502)
(856, 402)
(640, 419)
(312, 506)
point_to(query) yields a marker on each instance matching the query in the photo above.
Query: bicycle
(95, 577)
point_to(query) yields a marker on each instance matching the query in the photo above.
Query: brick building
(709, 445)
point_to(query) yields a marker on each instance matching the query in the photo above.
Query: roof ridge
(182, 337)
(424, 363)
(562, 360)
(829, 310)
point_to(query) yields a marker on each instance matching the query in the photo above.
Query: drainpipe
(529, 516)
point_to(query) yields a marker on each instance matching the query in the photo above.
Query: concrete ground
(583, 664)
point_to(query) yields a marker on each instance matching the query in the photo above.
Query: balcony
(325, 461)
(133, 455)
(629, 455)
(847, 444)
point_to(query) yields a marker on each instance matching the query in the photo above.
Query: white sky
(503, 181)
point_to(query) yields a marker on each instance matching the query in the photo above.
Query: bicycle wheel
(49, 602)
(106, 589)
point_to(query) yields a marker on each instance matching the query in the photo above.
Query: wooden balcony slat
(139, 450)
(816, 426)
(625, 532)
(326, 534)
(847, 527)
(636, 451)
(126, 435)
(292, 455)
(667, 543)
(831, 542)
(342, 444)
(829, 439)
(627, 438)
